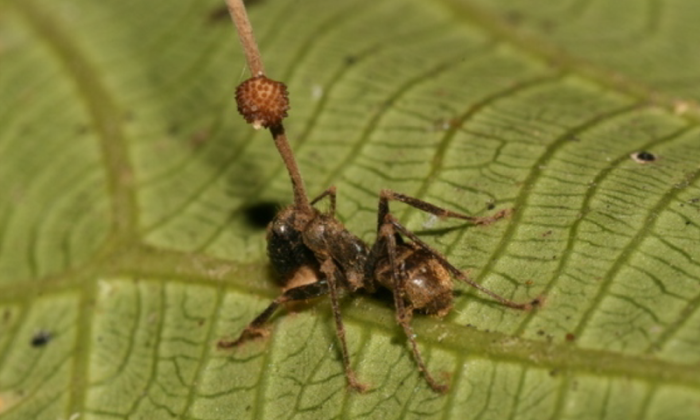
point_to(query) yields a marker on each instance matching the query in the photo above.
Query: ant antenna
(263, 102)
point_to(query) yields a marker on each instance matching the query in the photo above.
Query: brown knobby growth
(262, 101)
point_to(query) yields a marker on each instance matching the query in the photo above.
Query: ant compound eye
(263, 102)
(281, 229)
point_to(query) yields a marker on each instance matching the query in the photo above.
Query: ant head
(285, 243)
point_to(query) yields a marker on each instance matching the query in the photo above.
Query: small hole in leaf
(41, 339)
(643, 157)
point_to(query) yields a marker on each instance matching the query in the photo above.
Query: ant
(315, 255)
(308, 245)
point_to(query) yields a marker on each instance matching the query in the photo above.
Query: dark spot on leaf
(350, 60)
(570, 337)
(41, 339)
(199, 138)
(81, 129)
(259, 215)
(540, 332)
(490, 206)
(514, 17)
(218, 14)
(548, 25)
(643, 157)
(554, 372)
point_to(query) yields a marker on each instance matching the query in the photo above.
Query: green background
(128, 186)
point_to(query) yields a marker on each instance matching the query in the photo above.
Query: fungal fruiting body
(262, 101)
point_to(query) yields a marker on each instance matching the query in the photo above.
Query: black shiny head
(285, 244)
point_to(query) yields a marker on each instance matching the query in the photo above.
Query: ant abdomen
(427, 284)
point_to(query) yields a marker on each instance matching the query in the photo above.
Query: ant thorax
(328, 238)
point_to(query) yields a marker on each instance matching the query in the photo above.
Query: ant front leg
(330, 193)
(257, 328)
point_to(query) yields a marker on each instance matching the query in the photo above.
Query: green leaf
(132, 194)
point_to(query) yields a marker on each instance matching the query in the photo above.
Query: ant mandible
(303, 241)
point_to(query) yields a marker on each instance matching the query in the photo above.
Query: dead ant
(313, 248)
(316, 255)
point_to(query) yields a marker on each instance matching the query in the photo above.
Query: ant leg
(329, 269)
(386, 195)
(256, 328)
(330, 193)
(404, 314)
(386, 217)
(390, 219)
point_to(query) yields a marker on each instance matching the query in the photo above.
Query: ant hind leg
(404, 314)
(386, 195)
(386, 217)
(455, 271)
